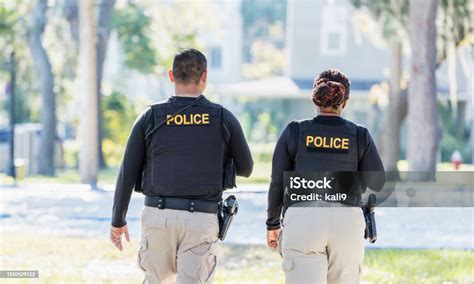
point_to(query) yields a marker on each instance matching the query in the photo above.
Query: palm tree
(423, 129)
(38, 21)
(88, 156)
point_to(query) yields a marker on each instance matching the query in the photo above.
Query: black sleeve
(238, 148)
(282, 161)
(370, 161)
(130, 171)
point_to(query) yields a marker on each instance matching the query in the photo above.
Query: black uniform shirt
(134, 156)
(283, 156)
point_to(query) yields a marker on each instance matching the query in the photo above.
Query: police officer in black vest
(175, 155)
(322, 244)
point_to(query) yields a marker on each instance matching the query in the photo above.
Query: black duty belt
(190, 205)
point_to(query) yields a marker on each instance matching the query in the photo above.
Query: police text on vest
(188, 119)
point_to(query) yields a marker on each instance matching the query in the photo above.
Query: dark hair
(331, 89)
(188, 66)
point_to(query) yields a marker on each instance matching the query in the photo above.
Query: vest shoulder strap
(150, 115)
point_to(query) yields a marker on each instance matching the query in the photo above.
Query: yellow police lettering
(188, 119)
(185, 120)
(197, 119)
(318, 141)
(178, 119)
(325, 145)
(345, 143)
(327, 142)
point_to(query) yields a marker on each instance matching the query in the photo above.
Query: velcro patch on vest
(327, 144)
(201, 119)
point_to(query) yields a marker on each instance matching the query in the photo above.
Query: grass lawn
(109, 176)
(87, 260)
(69, 176)
(261, 174)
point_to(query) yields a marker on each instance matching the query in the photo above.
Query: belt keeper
(191, 206)
(161, 203)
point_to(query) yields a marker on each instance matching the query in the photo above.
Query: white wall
(308, 21)
(228, 37)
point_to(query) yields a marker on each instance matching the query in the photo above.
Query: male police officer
(176, 150)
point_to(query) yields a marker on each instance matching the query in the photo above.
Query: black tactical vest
(323, 147)
(185, 157)
(323, 150)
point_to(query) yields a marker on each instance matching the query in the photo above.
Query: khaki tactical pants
(323, 244)
(178, 246)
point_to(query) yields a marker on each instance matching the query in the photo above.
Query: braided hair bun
(330, 89)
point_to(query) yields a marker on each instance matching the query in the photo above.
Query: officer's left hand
(272, 238)
(116, 236)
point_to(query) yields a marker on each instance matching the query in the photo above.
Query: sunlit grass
(260, 175)
(106, 176)
(109, 176)
(86, 260)
(419, 266)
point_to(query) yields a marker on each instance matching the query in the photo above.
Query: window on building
(333, 41)
(215, 56)
(333, 29)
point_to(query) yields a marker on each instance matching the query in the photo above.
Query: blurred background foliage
(149, 36)
(132, 25)
(119, 116)
(455, 135)
(264, 38)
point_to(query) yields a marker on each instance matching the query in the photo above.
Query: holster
(369, 216)
(227, 210)
(370, 227)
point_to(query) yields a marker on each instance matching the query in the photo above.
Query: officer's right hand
(116, 236)
(272, 238)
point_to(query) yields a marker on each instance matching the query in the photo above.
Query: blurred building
(221, 42)
(323, 34)
(223, 46)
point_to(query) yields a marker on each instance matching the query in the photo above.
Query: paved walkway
(76, 210)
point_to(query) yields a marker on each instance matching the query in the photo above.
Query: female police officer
(321, 244)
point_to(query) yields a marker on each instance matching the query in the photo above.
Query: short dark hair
(188, 66)
(331, 88)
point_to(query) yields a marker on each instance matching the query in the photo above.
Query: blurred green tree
(131, 24)
(264, 25)
(11, 36)
(36, 26)
(132, 27)
(265, 20)
(7, 21)
(105, 10)
(267, 60)
(454, 26)
(119, 115)
(453, 139)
